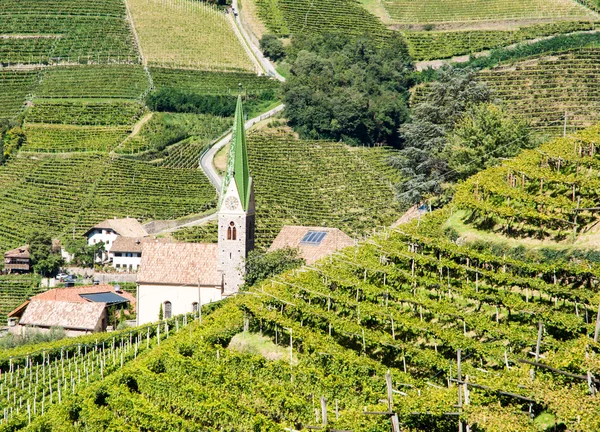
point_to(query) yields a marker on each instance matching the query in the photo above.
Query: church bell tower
(236, 209)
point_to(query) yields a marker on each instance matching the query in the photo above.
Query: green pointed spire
(237, 161)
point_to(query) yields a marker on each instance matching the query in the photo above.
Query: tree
(161, 314)
(262, 265)
(44, 259)
(12, 141)
(84, 255)
(272, 47)
(355, 90)
(423, 160)
(482, 137)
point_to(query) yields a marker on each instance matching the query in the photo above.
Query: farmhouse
(107, 232)
(126, 252)
(178, 277)
(17, 260)
(313, 243)
(78, 310)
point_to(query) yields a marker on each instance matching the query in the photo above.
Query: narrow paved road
(206, 161)
(266, 64)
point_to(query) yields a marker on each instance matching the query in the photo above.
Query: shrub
(272, 47)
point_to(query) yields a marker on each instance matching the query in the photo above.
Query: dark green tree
(272, 47)
(45, 260)
(348, 89)
(423, 160)
(262, 265)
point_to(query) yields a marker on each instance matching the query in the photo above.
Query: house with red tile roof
(78, 311)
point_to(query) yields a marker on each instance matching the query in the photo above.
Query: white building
(108, 231)
(126, 252)
(181, 276)
(178, 276)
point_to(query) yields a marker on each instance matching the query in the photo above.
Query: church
(176, 278)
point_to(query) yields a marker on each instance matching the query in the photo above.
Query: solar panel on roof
(313, 238)
(105, 297)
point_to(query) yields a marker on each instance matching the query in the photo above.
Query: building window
(168, 310)
(231, 232)
(195, 307)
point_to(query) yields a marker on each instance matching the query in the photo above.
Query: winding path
(206, 160)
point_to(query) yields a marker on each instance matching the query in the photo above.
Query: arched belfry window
(231, 232)
(168, 310)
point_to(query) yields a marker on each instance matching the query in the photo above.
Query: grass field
(186, 33)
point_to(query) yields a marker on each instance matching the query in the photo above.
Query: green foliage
(262, 265)
(198, 234)
(184, 101)
(161, 313)
(31, 337)
(482, 137)
(12, 141)
(423, 162)
(537, 194)
(84, 255)
(272, 47)
(345, 89)
(44, 259)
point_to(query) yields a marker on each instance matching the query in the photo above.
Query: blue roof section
(313, 238)
(105, 297)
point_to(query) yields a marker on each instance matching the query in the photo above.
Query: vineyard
(96, 81)
(466, 337)
(308, 183)
(70, 193)
(285, 17)
(53, 32)
(430, 45)
(211, 83)
(188, 34)
(550, 192)
(16, 86)
(16, 289)
(35, 379)
(542, 90)
(433, 11)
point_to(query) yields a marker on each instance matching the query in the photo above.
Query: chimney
(118, 289)
(137, 241)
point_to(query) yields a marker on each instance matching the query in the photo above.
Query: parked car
(62, 276)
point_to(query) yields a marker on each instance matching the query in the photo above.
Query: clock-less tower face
(231, 203)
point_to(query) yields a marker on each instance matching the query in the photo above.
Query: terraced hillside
(65, 367)
(14, 289)
(188, 34)
(285, 17)
(543, 89)
(58, 31)
(550, 192)
(432, 11)
(433, 44)
(319, 183)
(466, 336)
(70, 193)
